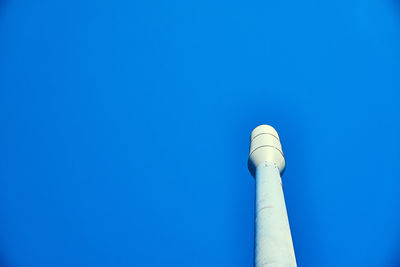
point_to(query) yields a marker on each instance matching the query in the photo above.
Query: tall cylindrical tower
(273, 240)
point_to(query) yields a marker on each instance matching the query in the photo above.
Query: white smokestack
(273, 240)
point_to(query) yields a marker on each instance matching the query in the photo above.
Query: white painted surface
(273, 240)
(265, 146)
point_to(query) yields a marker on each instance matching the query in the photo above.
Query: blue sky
(125, 130)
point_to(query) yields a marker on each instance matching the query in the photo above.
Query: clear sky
(125, 130)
